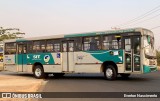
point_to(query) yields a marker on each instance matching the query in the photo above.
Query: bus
(1, 55)
(113, 52)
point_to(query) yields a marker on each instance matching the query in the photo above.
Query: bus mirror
(118, 37)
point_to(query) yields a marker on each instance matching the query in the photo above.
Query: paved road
(96, 83)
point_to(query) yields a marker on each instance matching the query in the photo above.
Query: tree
(10, 33)
(158, 57)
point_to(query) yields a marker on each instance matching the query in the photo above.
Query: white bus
(1, 55)
(113, 52)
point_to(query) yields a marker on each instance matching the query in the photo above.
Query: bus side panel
(56, 66)
(86, 63)
(52, 68)
(10, 63)
(91, 61)
(51, 61)
(121, 68)
(83, 68)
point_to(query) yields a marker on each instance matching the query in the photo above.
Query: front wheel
(110, 73)
(39, 72)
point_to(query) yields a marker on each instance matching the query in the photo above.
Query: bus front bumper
(148, 69)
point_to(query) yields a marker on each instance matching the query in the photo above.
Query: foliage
(10, 33)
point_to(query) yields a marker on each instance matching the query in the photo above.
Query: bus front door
(68, 56)
(21, 57)
(132, 53)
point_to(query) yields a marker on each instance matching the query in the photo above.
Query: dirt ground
(10, 82)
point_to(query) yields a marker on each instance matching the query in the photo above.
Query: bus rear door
(68, 56)
(21, 57)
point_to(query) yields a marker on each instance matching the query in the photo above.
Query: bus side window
(20, 49)
(64, 47)
(105, 44)
(57, 47)
(24, 50)
(91, 43)
(10, 48)
(42, 46)
(137, 45)
(71, 47)
(128, 44)
(49, 47)
(29, 47)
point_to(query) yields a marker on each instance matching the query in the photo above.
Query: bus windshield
(149, 46)
(148, 41)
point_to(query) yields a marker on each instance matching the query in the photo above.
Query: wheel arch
(104, 64)
(35, 64)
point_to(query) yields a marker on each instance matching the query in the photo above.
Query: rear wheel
(39, 72)
(110, 72)
(125, 75)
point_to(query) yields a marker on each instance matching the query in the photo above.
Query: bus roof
(120, 31)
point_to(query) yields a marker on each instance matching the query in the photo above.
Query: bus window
(128, 44)
(42, 46)
(111, 42)
(29, 47)
(78, 44)
(24, 50)
(150, 41)
(10, 48)
(36, 46)
(53, 46)
(91, 43)
(64, 47)
(116, 42)
(20, 48)
(105, 44)
(136, 45)
(57, 47)
(49, 47)
(71, 47)
(39, 46)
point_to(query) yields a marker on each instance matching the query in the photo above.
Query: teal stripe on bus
(43, 58)
(109, 55)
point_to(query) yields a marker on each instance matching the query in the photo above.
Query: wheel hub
(38, 72)
(109, 73)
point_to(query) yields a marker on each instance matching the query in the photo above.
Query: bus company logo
(46, 58)
(36, 56)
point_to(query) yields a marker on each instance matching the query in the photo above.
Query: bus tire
(39, 72)
(58, 75)
(125, 75)
(110, 72)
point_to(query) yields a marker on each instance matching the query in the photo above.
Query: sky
(50, 17)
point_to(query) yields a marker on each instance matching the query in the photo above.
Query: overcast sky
(49, 17)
